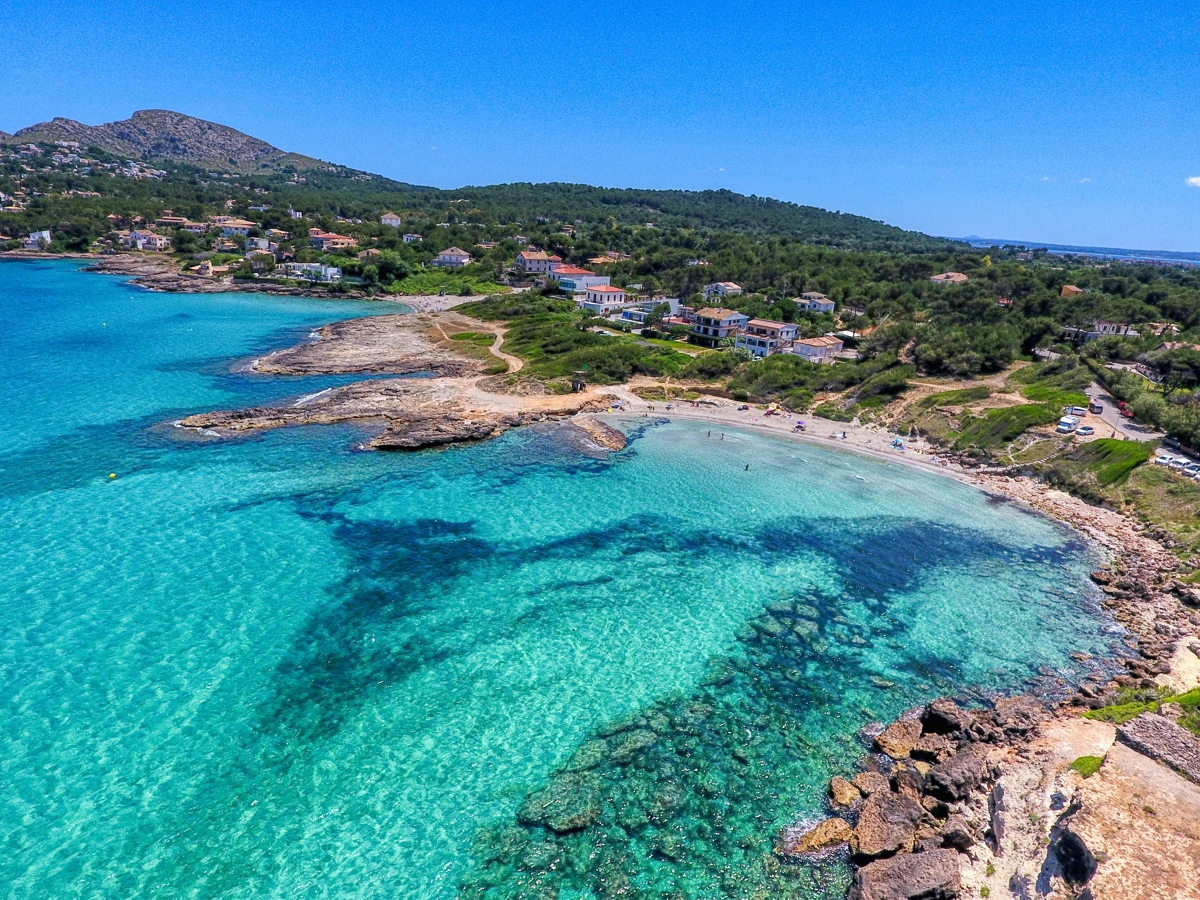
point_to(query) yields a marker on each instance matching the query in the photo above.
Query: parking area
(1177, 462)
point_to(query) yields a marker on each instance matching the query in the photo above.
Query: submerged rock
(923, 876)
(569, 802)
(887, 825)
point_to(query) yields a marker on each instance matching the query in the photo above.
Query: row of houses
(760, 337)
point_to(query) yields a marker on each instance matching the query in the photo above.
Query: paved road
(1112, 424)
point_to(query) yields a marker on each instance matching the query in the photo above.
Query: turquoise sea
(280, 668)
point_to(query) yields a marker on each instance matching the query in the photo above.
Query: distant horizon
(1025, 119)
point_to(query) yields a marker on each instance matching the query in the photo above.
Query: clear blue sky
(1050, 121)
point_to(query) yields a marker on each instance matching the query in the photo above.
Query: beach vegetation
(1087, 766)
(1129, 704)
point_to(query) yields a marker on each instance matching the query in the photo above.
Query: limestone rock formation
(899, 738)
(842, 792)
(887, 825)
(957, 776)
(821, 836)
(921, 876)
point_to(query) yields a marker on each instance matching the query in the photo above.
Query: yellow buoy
(112, 474)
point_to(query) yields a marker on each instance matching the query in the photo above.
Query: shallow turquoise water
(278, 668)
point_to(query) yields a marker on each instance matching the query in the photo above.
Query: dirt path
(515, 364)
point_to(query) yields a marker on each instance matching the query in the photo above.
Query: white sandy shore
(863, 439)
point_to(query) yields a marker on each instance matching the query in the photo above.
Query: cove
(278, 668)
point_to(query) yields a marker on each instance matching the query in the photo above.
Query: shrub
(1087, 766)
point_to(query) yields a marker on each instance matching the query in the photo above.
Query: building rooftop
(717, 313)
(607, 289)
(572, 270)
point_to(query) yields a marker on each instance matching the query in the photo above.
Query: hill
(189, 147)
(162, 136)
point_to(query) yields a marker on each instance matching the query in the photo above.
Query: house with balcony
(763, 337)
(811, 301)
(602, 299)
(452, 258)
(236, 226)
(328, 240)
(722, 289)
(714, 325)
(535, 261)
(575, 280)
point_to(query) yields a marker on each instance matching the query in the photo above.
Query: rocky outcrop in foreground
(415, 413)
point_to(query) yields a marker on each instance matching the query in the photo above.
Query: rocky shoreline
(457, 404)
(985, 803)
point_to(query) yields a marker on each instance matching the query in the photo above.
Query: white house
(409, 238)
(37, 240)
(713, 325)
(310, 272)
(147, 240)
(539, 261)
(576, 280)
(237, 226)
(722, 289)
(452, 258)
(763, 337)
(602, 299)
(814, 302)
(391, 220)
(818, 350)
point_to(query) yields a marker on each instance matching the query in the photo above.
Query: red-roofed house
(327, 240)
(576, 280)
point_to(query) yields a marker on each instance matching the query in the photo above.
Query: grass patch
(481, 338)
(1130, 705)
(665, 393)
(1111, 460)
(1087, 766)
(956, 398)
(998, 427)
(433, 281)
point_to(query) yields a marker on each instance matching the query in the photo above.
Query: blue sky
(1053, 121)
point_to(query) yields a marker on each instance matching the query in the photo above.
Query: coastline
(154, 272)
(1020, 745)
(996, 805)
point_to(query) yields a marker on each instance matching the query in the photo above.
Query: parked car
(1124, 410)
(1163, 460)
(1067, 424)
(1075, 411)
(1094, 407)
(1085, 430)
